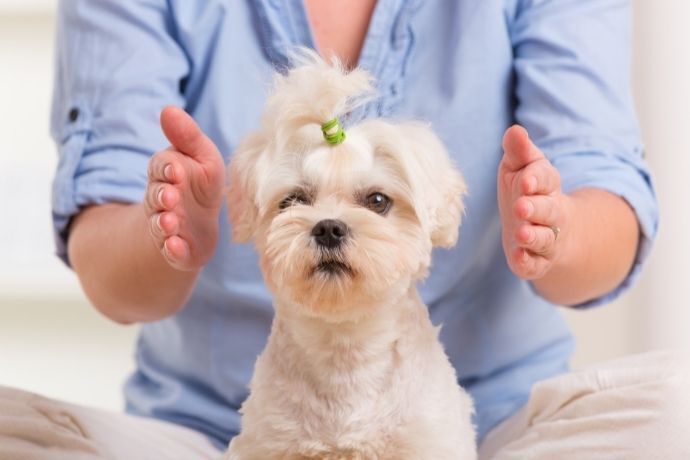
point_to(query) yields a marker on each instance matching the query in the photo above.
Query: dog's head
(340, 228)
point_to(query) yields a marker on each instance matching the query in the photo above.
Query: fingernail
(159, 197)
(168, 172)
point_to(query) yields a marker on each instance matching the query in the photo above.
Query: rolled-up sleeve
(117, 66)
(572, 69)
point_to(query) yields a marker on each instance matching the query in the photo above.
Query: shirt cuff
(93, 178)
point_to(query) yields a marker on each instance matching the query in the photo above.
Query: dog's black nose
(329, 233)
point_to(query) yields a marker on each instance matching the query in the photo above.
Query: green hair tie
(333, 131)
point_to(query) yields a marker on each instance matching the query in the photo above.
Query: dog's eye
(378, 202)
(293, 199)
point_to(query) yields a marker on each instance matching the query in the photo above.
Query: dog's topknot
(313, 91)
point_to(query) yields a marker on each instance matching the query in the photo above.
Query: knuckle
(151, 170)
(154, 226)
(155, 164)
(153, 194)
(148, 201)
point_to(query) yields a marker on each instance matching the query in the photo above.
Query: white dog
(344, 224)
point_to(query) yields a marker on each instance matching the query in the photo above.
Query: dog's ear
(448, 215)
(241, 192)
(440, 187)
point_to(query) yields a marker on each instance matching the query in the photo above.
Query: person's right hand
(184, 193)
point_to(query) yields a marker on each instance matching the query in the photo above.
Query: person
(561, 211)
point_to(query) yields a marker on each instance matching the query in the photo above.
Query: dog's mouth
(333, 267)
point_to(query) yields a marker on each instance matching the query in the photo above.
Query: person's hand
(534, 211)
(184, 193)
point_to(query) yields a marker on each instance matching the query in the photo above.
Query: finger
(176, 251)
(185, 135)
(161, 197)
(539, 178)
(528, 265)
(164, 166)
(537, 239)
(518, 149)
(538, 209)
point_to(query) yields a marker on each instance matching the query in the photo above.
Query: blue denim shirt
(470, 67)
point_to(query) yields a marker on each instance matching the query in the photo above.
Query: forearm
(599, 236)
(120, 268)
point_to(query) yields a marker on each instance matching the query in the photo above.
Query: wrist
(598, 243)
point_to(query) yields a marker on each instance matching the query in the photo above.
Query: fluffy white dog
(344, 224)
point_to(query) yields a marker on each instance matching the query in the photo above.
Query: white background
(52, 342)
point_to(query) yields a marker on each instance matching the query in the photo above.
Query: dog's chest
(351, 407)
(343, 412)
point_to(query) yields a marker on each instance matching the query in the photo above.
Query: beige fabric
(633, 408)
(36, 428)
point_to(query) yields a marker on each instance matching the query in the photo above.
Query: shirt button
(73, 114)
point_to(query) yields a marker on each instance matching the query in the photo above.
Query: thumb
(519, 151)
(185, 135)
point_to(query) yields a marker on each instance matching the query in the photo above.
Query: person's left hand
(533, 208)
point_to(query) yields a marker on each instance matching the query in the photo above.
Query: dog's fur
(353, 368)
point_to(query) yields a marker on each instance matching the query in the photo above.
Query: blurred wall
(52, 342)
(662, 82)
